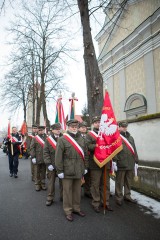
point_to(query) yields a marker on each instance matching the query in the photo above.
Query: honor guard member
(71, 164)
(86, 186)
(49, 159)
(126, 160)
(29, 138)
(13, 142)
(36, 151)
(96, 173)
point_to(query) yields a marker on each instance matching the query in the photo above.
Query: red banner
(24, 128)
(109, 142)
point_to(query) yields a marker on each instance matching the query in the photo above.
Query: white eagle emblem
(106, 126)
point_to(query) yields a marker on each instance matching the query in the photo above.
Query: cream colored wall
(132, 18)
(116, 104)
(135, 79)
(156, 56)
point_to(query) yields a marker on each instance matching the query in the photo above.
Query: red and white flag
(60, 114)
(109, 141)
(9, 129)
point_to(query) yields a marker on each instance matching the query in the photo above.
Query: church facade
(129, 59)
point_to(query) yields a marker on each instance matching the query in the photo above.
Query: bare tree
(38, 30)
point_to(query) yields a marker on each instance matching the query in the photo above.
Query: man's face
(123, 129)
(82, 129)
(14, 130)
(96, 124)
(34, 129)
(73, 128)
(41, 131)
(56, 131)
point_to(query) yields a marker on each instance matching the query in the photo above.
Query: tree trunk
(94, 80)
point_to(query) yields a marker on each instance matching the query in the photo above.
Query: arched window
(135, 104)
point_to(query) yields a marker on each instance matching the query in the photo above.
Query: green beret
(123, 124)
(82, 124)
(96, 118)
(41, 127)
(56, 126)
(72, 121)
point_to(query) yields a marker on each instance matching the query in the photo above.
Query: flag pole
(104, 190)
(104, 174)
(11, 141)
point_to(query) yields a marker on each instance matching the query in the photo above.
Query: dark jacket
(125, 159)
(67, 159)
(16, 145)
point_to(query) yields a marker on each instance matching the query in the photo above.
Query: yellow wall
(131, 19)
(116, 96)
(135, 79)
(156, 57)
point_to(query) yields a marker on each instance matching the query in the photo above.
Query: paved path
(24, 216)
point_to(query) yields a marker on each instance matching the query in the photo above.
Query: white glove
(135, 169)
(136, 165)
(114, 166)
(85, 171)
(61, 175)
(34, 160)
(50, 167)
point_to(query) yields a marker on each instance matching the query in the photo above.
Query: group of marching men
(69, 155)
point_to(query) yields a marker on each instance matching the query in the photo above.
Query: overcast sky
(75, 77)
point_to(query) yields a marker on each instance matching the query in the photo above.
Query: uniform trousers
(71, 195)
(123, 179)
(13, 163)
(40, 174)
(97, 187)
(51, 175)
(87, 183)
(32, 170)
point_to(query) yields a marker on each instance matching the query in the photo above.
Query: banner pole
(104, 189)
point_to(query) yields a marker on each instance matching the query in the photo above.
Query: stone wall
(148, 181)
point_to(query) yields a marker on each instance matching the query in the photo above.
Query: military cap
(34, 126)
(96, 118)
(56, 126)
(82, 124)
(41, 127)
(123, 124)
(72, 122)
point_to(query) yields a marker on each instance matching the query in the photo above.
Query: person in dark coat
(125, 161)
(13, 142)
(49, 159)
(71, 161)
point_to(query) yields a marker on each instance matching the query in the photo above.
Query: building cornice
(135, 46)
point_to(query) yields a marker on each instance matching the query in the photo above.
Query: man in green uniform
(49, 159)
(96, 173)
(28, 139)
(126, 160)
(36, 151)
(87, 181)
(71, 164)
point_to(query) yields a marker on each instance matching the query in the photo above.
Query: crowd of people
(69, 156)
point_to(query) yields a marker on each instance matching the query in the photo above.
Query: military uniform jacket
(28, 141)
(67, 159)
(125, 159)
(36, 150)
(91, 144)
(49, 152)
